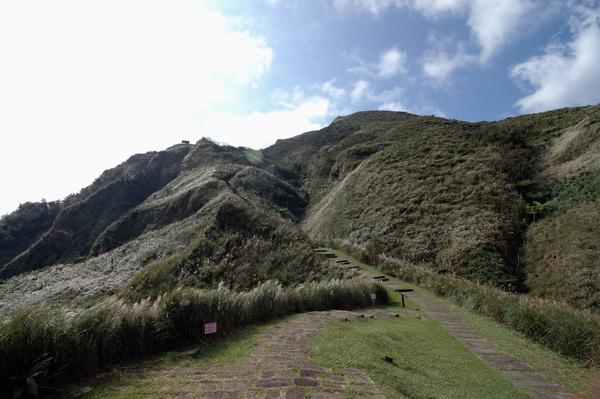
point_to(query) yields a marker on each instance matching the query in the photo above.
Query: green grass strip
(428, 362)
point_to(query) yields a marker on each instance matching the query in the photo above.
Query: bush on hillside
(241, 248)
(563, 257)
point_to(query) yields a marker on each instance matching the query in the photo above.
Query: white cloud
(439, 65)
(172, 53)
(392, 106)
(359, 91)
(125, 76)
(328, 88)
(567, 74)
(362, 92)
(261, 129)
(391, 63)
(492, 22)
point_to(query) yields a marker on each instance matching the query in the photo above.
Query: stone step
(381, 278)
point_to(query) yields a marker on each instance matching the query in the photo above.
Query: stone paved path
(280, 364)
(280, 367)
(513, 368)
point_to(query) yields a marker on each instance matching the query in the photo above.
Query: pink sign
(373, 296)
(210, 328)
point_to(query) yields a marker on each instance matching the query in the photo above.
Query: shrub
(486, 267)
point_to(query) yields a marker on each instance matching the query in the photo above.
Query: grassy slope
(457, 197)
(183, 227)
(426, 189)
(429, 363)
(25, 226)
(240, 247)
(85, 216)
(562, 253)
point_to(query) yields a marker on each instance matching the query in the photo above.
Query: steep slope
(424, 189)
(563, 252)
(460, 197)
(512, 203)
(77, 226)
(25, 226)
(221, 218)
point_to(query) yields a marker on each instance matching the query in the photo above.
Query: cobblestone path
(280, 364)
(280, 367)
(513, 368)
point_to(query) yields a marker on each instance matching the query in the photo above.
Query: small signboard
(373, 296)
(210, 328)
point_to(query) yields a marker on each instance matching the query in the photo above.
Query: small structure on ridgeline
(185, 141)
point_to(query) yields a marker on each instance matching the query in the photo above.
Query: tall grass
(39, 347)
(558, 326)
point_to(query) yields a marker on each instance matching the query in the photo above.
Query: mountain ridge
(468, 199)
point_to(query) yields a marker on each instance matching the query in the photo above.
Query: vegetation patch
(41, 347)
(241, 248)
(555, 246)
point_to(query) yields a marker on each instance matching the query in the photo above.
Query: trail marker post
(373, 299)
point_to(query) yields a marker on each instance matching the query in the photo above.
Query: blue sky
(86, 84)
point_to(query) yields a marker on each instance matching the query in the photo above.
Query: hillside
(512, 203)
(477, 200)
(191, 215)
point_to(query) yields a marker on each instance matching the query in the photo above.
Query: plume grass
(54, 347)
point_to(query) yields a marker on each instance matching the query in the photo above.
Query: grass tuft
(54, 347)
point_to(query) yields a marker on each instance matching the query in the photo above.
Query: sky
(85, 84)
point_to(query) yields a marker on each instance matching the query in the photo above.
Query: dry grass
(41, 346)
(563, 257)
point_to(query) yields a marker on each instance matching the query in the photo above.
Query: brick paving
(280, 367)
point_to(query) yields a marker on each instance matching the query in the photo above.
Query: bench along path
(280, 367)
(513, 368)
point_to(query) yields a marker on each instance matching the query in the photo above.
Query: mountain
(513, 203)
